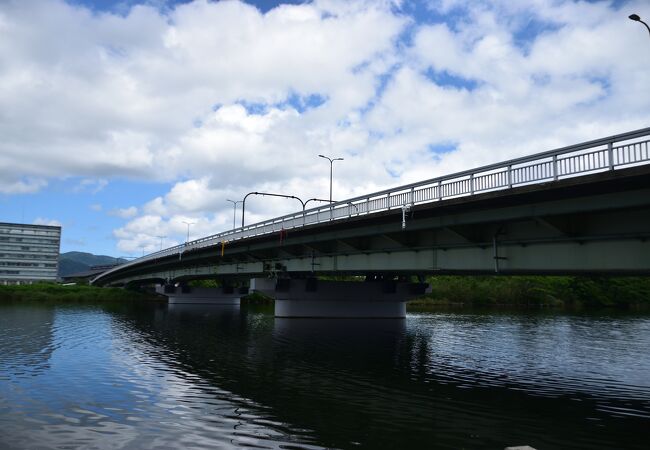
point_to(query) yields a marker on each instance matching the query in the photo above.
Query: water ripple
(149, 377)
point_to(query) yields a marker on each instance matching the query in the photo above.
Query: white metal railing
(610, 153)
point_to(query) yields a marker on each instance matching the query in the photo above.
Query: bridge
(581, 209)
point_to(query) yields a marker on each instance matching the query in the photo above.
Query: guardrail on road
(610, 153)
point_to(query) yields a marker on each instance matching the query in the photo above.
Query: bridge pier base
(340, 309)
(338, 299)
(199, 295)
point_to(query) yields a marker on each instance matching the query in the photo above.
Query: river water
(157, 377)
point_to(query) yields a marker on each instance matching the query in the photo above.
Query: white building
(28, 253)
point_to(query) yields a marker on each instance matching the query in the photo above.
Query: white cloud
(148, 231)
(117, 96)
(155, 207)
(90, 185)
(44, 221)
(218, 99)
(577, 81)
(12, 184)
(96, 207)
(192, 196)
(124, 213)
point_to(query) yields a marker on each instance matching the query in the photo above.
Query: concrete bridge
(582, 209)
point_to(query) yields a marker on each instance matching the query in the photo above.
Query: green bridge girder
(597, 223)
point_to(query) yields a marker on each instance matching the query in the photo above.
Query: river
(152, 376)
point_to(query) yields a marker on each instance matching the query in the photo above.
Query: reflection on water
(25, 339)
(223, 376)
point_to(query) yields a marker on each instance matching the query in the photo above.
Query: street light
(304, 204)
(161, 241)
(243, 204)
(188, 229)
(234, 210)
(636, 18)
(331, 160)
(315, 200)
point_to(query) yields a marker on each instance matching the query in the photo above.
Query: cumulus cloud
(219, 99)
(149, 232)
(124, 213)
(45, 221)
(10, 183)
(473, 84)
(142, 81)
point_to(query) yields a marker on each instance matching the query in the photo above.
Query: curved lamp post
(243, 204)
(315, 200)
(304, 204)
(636, 18)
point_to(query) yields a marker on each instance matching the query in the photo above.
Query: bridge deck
(591, 223)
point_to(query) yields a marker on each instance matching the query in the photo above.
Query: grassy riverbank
(257, 298)
(558, 291)
(461, 290)
(51, 292)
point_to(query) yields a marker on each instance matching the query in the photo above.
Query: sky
(122, 120)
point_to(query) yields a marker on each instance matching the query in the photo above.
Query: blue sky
(123, 120)
(85, 212)
(124, 6)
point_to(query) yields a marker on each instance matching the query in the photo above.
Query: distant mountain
(73, 262)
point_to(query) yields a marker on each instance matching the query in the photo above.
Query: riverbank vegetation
(257, 298)
(52, 292)
(556, 291)
(446, 290)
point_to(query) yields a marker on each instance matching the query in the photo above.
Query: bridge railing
(610, 153)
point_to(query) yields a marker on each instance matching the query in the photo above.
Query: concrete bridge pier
(226, 295)
(338, 299)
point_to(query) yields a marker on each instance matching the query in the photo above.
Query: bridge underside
(591, 224)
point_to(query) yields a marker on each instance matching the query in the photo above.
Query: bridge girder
(591, 224)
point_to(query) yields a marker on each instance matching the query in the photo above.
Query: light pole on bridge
(161, 241)
(316, 200)
(234, 210)
(188, 229)
(636, 18)
(243, 202)
(331, 160)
